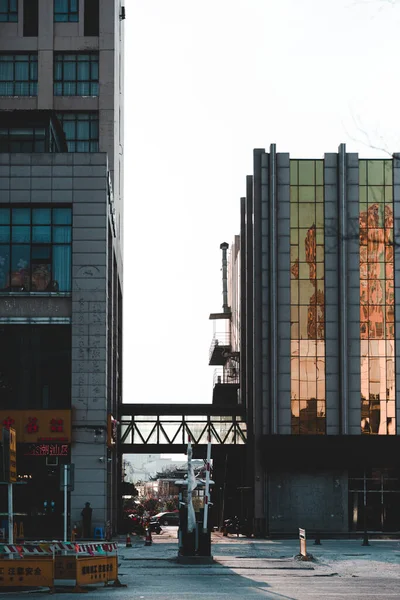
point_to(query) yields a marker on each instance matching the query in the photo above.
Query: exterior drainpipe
(224, 247)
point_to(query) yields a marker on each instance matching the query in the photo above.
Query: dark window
(81, 131)
(91, 22)
(9, 10)
(31, 18)
(22, 139)
(35, 366)
(35, 249)
(31, 131)
(18, 74)
(76, 74)
(66, 11)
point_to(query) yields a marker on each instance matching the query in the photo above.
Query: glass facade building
(377, 326)
(307, 297)
(318, 345)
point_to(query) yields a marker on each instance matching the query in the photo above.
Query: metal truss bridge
(166, 428)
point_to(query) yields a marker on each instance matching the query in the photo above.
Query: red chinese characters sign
(38, 425)
(47, 450)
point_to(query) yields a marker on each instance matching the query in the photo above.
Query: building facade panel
(330, 357)
(56, 168)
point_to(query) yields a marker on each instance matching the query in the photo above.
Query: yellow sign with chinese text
(27, 572)
(38, 426)
(13, 455)
(94, 569)
(65, 567)
(112, 431)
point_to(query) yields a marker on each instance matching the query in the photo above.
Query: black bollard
(365, 539)
(317, 541)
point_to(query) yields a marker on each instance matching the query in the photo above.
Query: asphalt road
(250, 570)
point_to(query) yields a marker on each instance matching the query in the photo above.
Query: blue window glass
(42, 216)
(66, 11)
(62, 216)
(41, 234)
(18, 74)
(62, 267)
(35, 249)
(21, 234)
(62, 235)
(19, 279)
(4, 234)
(9, 11)
(41, 252)
(4, 216)
(21, 216)
(4, 266)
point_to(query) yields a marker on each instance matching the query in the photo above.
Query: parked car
(166, 518)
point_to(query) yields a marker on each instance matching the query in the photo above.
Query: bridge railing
(176, 429)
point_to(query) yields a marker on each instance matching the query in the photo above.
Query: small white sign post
(65, 502)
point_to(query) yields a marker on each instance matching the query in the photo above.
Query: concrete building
(61, 214)
(318, 343)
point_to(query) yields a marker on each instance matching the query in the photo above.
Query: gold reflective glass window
(362, 172)
(294, 214)
(307, 214)
(307, 172)
(319, 193)
(389, 194)
(306, 193)
(377, 351)
(319, 215)
(375, 172)
(293, 172)
(294, 195)
(388, 172)
(319, 172)
(307, 297)
(376, 194)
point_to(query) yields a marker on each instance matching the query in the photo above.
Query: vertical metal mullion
(344, 378)
(14, 61)
(274, 290)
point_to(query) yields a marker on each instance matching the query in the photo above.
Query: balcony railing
(226, 375)
(220, 340)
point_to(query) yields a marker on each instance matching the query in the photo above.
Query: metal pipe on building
(224, 247)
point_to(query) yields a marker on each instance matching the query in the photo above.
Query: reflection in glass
(308, 406)
(377, 346)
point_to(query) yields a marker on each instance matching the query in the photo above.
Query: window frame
(70, 14)
(76, 117)
(32, 245)
(31, 82)
(62, 58)
(10, 15)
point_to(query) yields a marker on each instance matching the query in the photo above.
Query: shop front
(43, 446)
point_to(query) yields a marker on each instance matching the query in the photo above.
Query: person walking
(87, 520)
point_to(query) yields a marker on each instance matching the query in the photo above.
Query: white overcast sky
(205, 83)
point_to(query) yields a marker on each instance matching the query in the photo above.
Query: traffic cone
(128, 541)
(74, 533)
(148, 541)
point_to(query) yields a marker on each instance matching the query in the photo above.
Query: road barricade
(31, 572)
(40, 564)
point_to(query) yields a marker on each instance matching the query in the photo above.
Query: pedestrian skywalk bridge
(170, 426)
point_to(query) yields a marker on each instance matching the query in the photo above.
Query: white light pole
(207, 490)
